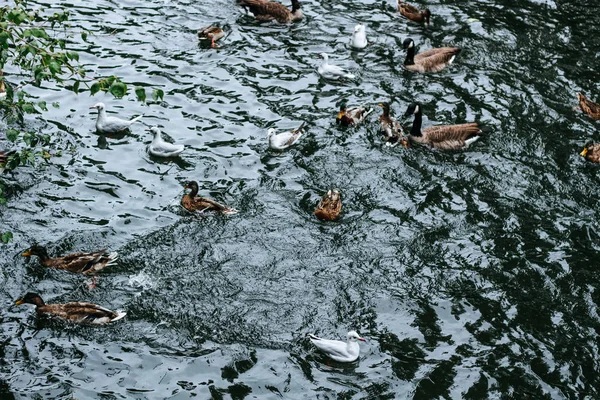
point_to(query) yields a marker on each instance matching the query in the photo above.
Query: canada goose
(411, 12)
(265, 10)
(433, 60)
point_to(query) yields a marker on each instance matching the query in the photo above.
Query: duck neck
(416, 126)
(37, 301)
(194, 191)
(410, 56)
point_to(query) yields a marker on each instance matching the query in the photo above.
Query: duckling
(351, 115)
(330, 206)
(212, 33)
(265, 10)
(192, 202)
(589, 107)
(106, 124)
(283, 140)
(79, 263)
(390, 127)
(443, 137)
(337, 350)
(591, 152)
(81, 313)
(433, 60)
(411, 12)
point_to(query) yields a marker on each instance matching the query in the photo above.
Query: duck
(591, 152)
(351, 115)
(78, 312)
(336, 349)
(411, 12)
(160, 148)
(359, 37)
(330, 206)
(330, 71)
(191, 202)
(212, 33)
(589, 107)
(106, 124)
(433, 60)
(390, 127)
(283, 140)
(264, 10)
(2, 87)
(80, 263)
(443, 137)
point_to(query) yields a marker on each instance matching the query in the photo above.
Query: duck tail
(350, 76)
(367, 112)
(112, 258)
(120, 315)
(229, 211)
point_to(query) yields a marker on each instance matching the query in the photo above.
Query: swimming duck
(212, 33)
(589, 107)
(81, 313)
(337, 350)
(351, 115)
(591, 152)
(160, 148)
(390, 127)
(283, 140)
(265, 10)
(411, 12)
(443, 137)
(191, 202)
(359, 37)
(330, 71)
(82, 263)
(106, 124)
(330, 206)
(433, 60)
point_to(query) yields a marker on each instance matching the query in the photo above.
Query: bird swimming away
(330, 71)
(106, 124)
(264, 10)
(192, 202)
(283, 140)
(82, 263)
(433, 60)
(336, 349)
(411, 12)
(212, 33)
(160, 148)
(589, 107)
(359, 37)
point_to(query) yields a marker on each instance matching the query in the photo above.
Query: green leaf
(140, 92)
(118, 89)
(42, 105)
(39, 33)
(84, 36)
(76, 86)
(95, 88)
(6, 237)
(73, 55)
(12, 134)
(158, 94)
(28, 108)
(54, 67)
(55, 104)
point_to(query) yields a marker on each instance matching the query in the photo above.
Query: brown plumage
(81, 313)
(3, 157)
(2, 87)
(589, 107)
(591, 152)
(81, 263)
(390, 127)
(192, 202)
(212, 33)
(351, 115)
(265, 10)
(443, 137)
(330, 206)
(411, 12)
(433, 60)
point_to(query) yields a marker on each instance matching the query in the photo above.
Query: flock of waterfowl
(443, 137)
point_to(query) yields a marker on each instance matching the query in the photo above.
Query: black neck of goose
(416, 126)
(410, 56)
(295, 5)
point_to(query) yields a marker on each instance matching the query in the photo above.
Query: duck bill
(584, 152)
(19, 302)
(26, 254)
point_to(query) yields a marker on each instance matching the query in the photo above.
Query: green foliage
(6, 237)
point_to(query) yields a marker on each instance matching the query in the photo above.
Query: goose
(106, 124)
(337, 350)
(359, 37)
(411, 12)
(589, 107)
(433, 60)
(160, 148)
(81, 263)
(192, 202)
(212, 33)
(390, 127)
(351, 115)
(283, 140)
(264, 10)
(591, 152)
(443, 137)
(330, 71)
(330, 206)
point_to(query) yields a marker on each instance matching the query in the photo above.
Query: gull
(106, 124)
(283, 140)
(329, 71)
(359, 37)
(160, 148)
(336, 349)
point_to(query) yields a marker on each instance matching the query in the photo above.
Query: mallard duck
(337, 350)
(330, 206)
(283, 140)
(591, 152)
(81, 313)
(330, 71)
(390, 127)
(81, 263)
(359, 37)
(411, 12)
(191, 202)
(443, 137)
(433, 60)
(589, 107)
(106, 124)
(160, 148)
(212, 33)
(265, 10)
(351, 115)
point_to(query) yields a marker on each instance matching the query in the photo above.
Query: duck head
(36, 250)
(30, 298)
(386, 108)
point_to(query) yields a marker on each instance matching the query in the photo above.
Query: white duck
(336, 349)
(283, 140)
(160, 148)
(329, 71)
(106, 124)
(359, 37)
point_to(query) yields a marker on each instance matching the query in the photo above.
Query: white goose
(336, 349)
(106, 124)
(283, 140)
(160, 148)
(330, 71)
(359, 37)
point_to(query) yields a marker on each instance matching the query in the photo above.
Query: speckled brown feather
(77, 312)
(411, 12)
(192, 202)
(81, 263)
(330, 206)
(268, 10)
(589, 107)
(593, 153)
(3, 158)
(447, 137)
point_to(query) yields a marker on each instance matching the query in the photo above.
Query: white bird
(336, 349)
(283, 140)
(329, 71)
(160, 148)
(106, 124)
(359, 37)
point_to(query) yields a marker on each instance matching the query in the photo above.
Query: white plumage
(106, 124)
(330, 71)
(359, 37)
(160, 148)
(283, 140)
(336, 349)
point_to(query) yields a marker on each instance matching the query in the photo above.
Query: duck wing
(588, 106)
(80, 312)
(408, 10)
(267, 10)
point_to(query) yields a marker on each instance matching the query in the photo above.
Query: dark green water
(471, 274)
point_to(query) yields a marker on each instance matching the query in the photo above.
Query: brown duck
(390, 127)
(2, 87)
(265, 10)
(589, 107)
(591, 152)
(191, 202)
(330, 206)
(443, 137)
(411, 12)
(351, 115)
(81, 263)
(212, 33)
(81, 313)
(433, 60)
